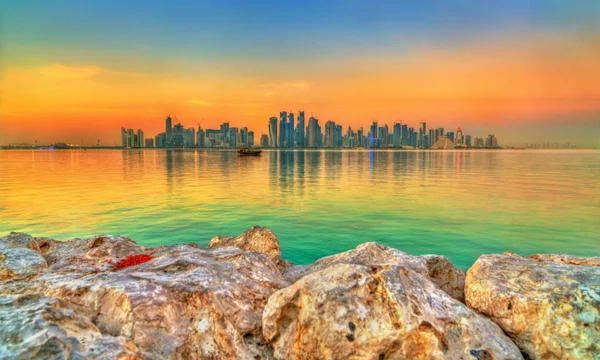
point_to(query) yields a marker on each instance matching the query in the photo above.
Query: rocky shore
(109, 298)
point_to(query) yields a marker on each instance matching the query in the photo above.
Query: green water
(456, 203)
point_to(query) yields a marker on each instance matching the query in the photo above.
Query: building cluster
(287, 132)
(177, 136)
(283, 134)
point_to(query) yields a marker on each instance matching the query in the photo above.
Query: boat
(244, 151)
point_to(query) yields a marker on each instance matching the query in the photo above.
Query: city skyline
(526, 71)
(283, 134)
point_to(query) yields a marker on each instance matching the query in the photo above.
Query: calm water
(456, 203)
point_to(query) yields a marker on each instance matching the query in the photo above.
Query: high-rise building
(243, 137)
(397, 134)
(404, 139)
(290, 130)
(264, 140)
(123, 137)
(140, 139)
(283, 126)
(422, 133)
(459, 140)
(450, 135)
(311, 132)
(337, 136)
(200, 138)
(329, 134)
(373, 135)
(300, 140)
(149, 143)
(250, 138)
(273, 132)
(169, 130)
(468, 140)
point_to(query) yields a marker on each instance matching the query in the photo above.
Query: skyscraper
(283, 129)
(397, 134)
(273, 132)
(169, 130)
(329, 134)
(290, 130)
(311, 132)
(459, 140)
(422, 133)
(300, 140)
(373, 135)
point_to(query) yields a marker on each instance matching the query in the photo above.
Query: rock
(257, 239)
(186, 302)
(349, 311)
(19, 261)
(21, 240)
(568, 259)
(437, 268)
(35, 327)
(548, 304)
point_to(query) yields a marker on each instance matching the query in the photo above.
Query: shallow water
(455, 203)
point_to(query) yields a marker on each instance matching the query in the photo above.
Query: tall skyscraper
(397, 134)
(373, 135)
(283, 138)
(140, 139)
(422, 133)
(311, 132)
(329, 134)
(290, 130)
(404, 138)
(300, 140)
(169, 130)
(273, 139)
(250, 139)
(123, 137)
(459, 140)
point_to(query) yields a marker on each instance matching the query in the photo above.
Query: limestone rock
(257, 239)
(21, 240)
(36, 327)
(187, 302)
(546, 304)
(19, 261)
(350, 311)
(437, 268)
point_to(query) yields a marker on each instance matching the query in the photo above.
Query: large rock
(350, 311)
(36, 327)
(548, 304)
(21, 240)
(186, 302)
(19, 261)
(257, 239)
(437, 268)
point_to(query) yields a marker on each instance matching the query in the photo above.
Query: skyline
(525, 72)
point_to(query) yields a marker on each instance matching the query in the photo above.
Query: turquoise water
(456, 203)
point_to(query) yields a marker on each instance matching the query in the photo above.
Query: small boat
(244, 151)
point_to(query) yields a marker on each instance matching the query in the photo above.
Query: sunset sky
(72, 70)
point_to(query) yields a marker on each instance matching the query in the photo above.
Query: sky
(76, 71)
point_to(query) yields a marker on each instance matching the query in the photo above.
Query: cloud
(199, 102)
(74, 72)
(271, 89)
(247, 105)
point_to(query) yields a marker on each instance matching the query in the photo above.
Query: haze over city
(75, 72)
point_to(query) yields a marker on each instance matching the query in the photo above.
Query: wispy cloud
(199, 102)
(247, 105)
(271, 89)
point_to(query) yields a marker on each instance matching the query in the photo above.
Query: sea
(460, 204)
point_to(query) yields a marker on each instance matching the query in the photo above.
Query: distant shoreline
(271, 149)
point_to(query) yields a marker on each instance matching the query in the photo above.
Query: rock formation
(107, 297)
(548, 304)
(377, 312)
(257, 239)
(437, 268)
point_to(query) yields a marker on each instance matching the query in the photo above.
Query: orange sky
(479, 85)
